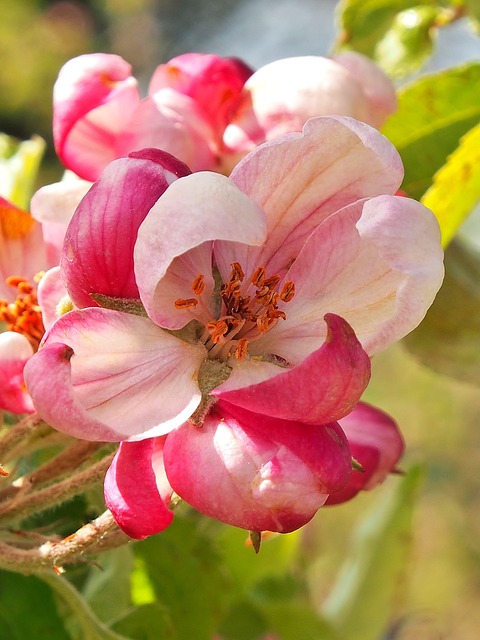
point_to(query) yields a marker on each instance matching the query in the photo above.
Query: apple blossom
(266, 291)
(99, 115)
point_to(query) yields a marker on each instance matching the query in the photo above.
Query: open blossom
(262, 297)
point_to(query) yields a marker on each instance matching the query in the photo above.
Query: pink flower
(99, 116)
(250, 287)
(281, 96)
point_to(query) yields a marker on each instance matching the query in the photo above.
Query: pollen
(24, 314)
(187, 303)
(198, 285)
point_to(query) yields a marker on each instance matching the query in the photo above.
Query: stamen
(288, 291)
(198, 285)
(237, 271)
(217, 329)
(24, 315)
(258, 277)
(187, 303)
(241, 350)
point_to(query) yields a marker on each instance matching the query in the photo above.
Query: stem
(99, 535)
(56, 493)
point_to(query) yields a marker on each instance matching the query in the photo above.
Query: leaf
(107, 588)
(28, 610)
(433, 114)
(146, 622)
(360, 603)
(409, 41)
(448, 339)
(456, 186)
(19, 164)
(186, 574)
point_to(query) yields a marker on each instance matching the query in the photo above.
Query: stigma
(24, 314)
(250, 307)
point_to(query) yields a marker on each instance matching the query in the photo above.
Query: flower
(281, 96)
(249, 289)
(99, 116)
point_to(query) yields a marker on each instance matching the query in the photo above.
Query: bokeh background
(438, 410)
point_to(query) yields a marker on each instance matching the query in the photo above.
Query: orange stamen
(187, 303)
(241, 350)
(24, 315)
(288, 291)
(198, 285)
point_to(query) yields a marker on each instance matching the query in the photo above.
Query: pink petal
(376, 85)
(376, 443)
(53, 206)
(131, 492)
(22, 251)
(214, 83)
(171, 122)
(378, 264)
(50, 292)
(322, 388)
(15, 350)
(196, 210)
(106, 375)
(256, 472)
(94, 97)
(301, 179)
(98, 249)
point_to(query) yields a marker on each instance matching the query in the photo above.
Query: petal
(376, 85)
(376, 443)
(254, 471)
(15, 350)
(193, 211)
(53, 205)
(94, 97)
(171, 122)
(22, 251)
(300, 179)
(322, 388)
(131, 491)
(378, 264)
(214, 83)
(113, 376)
(98, 250)
(50, 292)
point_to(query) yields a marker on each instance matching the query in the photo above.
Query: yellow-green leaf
(456, 186)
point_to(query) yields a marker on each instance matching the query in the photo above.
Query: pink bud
(254, 471)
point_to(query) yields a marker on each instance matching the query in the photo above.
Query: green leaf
(360, 603)
(409, 42)
(19, 164)
(296, 621)
(456, 186)
(28, 609)
(187, 576)
(433, 114)
(146, 622)
(448, 339)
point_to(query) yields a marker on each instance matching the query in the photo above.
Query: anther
(288, 291)
(198, 285)
(258, 277)
(241, 350)
(237, 271)
(187, 303)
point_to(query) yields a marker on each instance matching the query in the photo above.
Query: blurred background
(438, 413)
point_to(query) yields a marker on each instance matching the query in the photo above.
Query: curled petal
(51, 291)
(15, 350)
(254, 471)
(98, 250)
(322, 388)
(376, 443)
(132, 493)
(93, 99)
(196, 210)
(113, 376)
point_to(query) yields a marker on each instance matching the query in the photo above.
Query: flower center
(24, 314)
(249, 309)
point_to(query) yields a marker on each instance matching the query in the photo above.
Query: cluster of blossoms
(222, 327)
